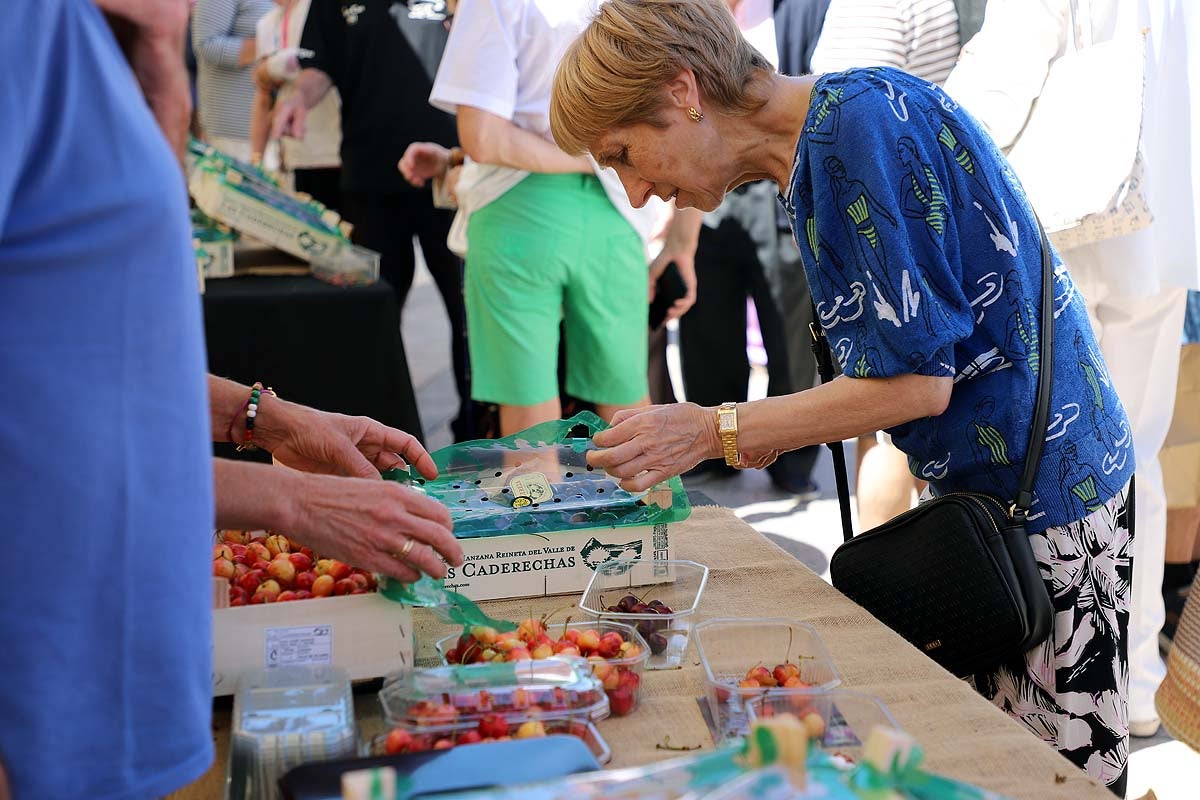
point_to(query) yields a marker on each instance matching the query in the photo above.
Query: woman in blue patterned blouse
(925, 264)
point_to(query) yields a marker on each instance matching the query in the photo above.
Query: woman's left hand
(318, 441)
(645, 446)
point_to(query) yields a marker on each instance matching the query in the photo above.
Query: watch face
(726, 422)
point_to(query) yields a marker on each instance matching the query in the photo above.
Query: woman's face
(684, 160)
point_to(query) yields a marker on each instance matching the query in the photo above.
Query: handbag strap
(1037, 433)
(824, 356)
(1041, 412)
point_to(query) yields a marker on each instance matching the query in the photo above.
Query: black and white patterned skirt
(1073, 689)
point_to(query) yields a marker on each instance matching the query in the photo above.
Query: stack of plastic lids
(284, 717)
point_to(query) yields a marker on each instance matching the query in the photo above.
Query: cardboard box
(367, 635)
(536, 564)
(333, 257)
(215, 258)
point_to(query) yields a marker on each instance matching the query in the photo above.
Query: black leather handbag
(955, 576)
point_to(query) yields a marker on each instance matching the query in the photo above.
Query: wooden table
(963, 735)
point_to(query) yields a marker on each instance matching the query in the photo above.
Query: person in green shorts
(554, 248)
(550, 239)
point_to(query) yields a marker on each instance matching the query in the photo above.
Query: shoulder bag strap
(824, 356)
(1037, 433)
(1041, 412)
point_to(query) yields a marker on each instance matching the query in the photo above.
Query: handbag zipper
(980, 501)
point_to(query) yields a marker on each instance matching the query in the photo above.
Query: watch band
(727, 430)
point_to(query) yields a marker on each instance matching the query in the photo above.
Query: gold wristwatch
(727, 429)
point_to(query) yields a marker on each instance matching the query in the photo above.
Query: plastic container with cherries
(621, 675)
(670, 590)
(733, 650)
(468, 703)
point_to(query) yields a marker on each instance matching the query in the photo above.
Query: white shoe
(1144, 729)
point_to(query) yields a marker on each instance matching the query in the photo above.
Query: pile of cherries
(491, 728)
(761, 681)
(532, 640)
(650, 629)
(447, 719)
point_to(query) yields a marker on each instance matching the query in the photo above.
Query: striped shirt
(226, 91)
(917, 36)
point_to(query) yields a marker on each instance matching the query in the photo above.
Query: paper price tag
(303, 644)
(532, 486)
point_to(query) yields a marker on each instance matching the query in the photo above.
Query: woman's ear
(683, 91)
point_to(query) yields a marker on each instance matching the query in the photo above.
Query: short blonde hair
(615, 73)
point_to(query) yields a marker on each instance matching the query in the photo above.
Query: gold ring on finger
(404, 551)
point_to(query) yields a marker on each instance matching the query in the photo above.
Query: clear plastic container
(730, 648)
(347, 265)
(286, 716)
(678, 584)
(846, 718)
(465, 693)
(624, 693)
(464, 733)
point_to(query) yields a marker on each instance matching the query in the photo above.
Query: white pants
(1140, 339)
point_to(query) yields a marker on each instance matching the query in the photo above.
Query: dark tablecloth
(332, 348)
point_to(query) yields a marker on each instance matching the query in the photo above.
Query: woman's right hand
(423, 161)
(367, 523)
(646, 446)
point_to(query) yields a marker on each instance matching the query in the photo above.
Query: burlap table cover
(963, 735)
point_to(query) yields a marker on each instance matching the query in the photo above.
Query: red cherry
(493, 726)
(621, 701)
(398, 741)
(301, 562)
(610, 645)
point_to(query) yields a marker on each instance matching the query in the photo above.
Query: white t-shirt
(501, 58)
(323, 136)
(917, 36)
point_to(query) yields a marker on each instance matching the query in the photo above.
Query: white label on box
(303, 644)
(562, 562)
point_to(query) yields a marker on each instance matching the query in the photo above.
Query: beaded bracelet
(251, 409)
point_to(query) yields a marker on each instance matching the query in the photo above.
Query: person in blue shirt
(925, 262)
(108, 490)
